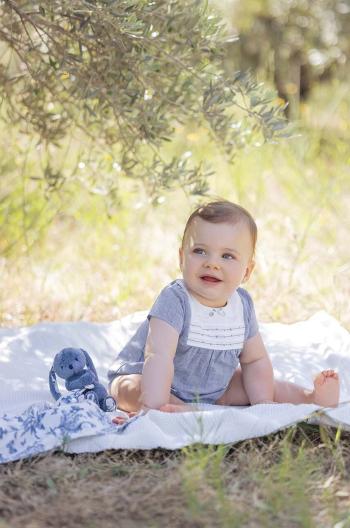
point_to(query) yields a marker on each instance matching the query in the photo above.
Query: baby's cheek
(192, 260)
(234, 267)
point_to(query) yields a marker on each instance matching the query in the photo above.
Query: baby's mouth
(209, 278)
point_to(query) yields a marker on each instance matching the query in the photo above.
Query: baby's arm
(158, 369)
(257, 371)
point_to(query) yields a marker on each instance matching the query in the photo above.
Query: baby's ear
(249, 270)
(181, 255)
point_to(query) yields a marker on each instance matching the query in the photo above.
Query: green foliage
(24, 213)
(122, 76)
(286, 480)
(205, 487)
(285, 487)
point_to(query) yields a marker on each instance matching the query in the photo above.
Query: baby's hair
(220, 212)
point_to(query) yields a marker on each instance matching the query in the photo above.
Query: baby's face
(215, 260)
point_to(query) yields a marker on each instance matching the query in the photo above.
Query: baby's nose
(71, 367)
(212, 263)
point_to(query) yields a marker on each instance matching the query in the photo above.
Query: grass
(286, 479)
(85, 265)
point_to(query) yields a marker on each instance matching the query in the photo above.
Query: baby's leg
(235, 393)
(325, 393)
(126, 390)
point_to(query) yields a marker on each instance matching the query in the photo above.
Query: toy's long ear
(53, 384)
(89, 362)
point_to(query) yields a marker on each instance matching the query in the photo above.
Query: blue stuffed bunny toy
(75, 366)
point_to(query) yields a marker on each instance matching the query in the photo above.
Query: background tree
(124, 74)
(293, 43)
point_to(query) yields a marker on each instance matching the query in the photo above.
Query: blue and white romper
(210, 342)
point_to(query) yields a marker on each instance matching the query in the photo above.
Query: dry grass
(288, 479)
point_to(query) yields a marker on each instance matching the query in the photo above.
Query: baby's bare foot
(326, 389)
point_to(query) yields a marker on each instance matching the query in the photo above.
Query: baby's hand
(177, 407)
(168, 407)
(119, 420)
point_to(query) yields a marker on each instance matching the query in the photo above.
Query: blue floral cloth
(46, 426)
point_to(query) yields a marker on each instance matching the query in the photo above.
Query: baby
(200, 341)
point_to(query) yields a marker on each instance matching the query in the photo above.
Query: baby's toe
(320, 378)
(333, 374)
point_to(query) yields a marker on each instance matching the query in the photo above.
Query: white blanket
(32, 422)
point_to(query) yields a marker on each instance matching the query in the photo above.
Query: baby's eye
(228, 256)
(199, 251)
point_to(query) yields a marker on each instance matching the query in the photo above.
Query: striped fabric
(217, 328)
